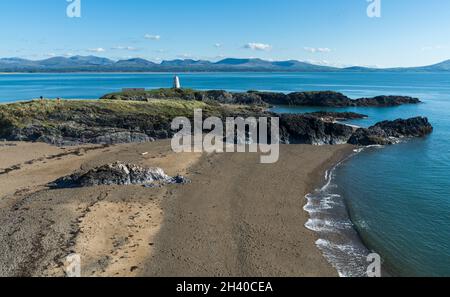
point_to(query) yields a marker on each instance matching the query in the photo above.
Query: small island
(142, 116)
(318, 99)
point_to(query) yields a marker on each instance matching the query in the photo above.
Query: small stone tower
(176, 82)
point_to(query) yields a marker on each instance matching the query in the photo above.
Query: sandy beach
(237, 218)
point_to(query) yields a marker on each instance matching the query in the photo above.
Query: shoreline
(251, 224)
(347, 251)
(293, 253)
(338, 239)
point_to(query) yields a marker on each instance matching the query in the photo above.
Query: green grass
(50, 112)
(157, 93)
(22, 113)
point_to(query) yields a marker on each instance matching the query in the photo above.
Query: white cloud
(125, 48)
(97, 50)
(321, 62)
(317, 49)
(124, 58)
(218, 45)
(338, 64)
(185, 56)
(258, 46)
(152, 37)
(431, 48)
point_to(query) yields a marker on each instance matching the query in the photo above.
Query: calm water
(397, 196)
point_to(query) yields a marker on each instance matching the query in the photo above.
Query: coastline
(328, 217)
(237, 218)
(339, 240)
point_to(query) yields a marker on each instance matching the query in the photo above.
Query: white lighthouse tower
(176, 82)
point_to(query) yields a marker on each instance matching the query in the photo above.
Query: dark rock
(179, 179)
(389, 132)
(373, 136)
(218, 96)
(413, 127)
(385, 101)
(118, 174)
(336, 116)
(273, 98)
(301, 129)
(247, 98)
(328, 98)
(320, 98)
(80, 122)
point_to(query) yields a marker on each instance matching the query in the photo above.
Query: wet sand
(237, 218)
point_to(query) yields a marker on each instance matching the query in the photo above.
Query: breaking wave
(338, 240)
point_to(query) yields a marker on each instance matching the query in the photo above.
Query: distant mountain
(259, 64)
(92, 63)
(443, 66)
(244, 62)
(96, 64)
(439, 67)
(135, 64)
(185, 63)
(76, 63)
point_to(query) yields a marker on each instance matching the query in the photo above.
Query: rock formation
(336, 116)
(111, 122)
(322, 98)
(389, 132)
(118, 174)
(301, 129)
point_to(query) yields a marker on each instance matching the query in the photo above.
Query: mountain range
(99, 64)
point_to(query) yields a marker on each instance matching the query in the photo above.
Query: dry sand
(237, 218)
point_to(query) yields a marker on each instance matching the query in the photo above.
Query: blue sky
(335, 32)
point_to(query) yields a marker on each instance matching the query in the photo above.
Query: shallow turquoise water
(398, 196)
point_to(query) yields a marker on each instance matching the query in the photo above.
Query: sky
(327, 32)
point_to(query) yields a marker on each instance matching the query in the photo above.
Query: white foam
(347, 258)
(345, 268)
(323, 225)
(379, 146)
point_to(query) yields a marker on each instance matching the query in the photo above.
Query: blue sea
(390, 200)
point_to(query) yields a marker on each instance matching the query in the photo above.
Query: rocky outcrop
(334, 99)
(413, 127)
(307, 129)
(111, 122)
(118, 174)
(217, 96)
(389, 132)
(326, 99)
(322, 98)
(73, 133)
(101, 122)
(336, 116)
(386, 101)
(301, 129)
(114, 122)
